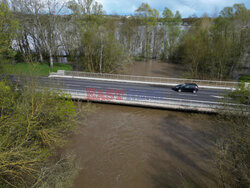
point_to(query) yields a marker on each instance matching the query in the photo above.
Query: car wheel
(179, 90)
(194, 91)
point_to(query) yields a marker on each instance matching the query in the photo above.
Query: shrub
(32, 124)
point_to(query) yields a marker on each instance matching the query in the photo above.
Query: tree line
(33, 30)
(218, 47)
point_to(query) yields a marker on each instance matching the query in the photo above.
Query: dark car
(187, 87)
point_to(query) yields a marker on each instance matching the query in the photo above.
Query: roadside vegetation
(32, 69)
(232, 159)
(32, 126)
(245, 78)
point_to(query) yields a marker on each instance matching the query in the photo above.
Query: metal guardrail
(162, 80)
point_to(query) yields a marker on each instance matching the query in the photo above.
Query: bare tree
(40, 21)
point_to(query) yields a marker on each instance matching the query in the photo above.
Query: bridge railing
(161, 80)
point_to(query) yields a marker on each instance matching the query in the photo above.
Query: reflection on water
(138, 147)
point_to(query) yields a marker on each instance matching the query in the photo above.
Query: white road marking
(218, 97)
(187, 94)
(73, 85)
(94, 87)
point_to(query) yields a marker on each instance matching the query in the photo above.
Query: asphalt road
(143, 90)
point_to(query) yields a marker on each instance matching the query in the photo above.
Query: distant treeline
(38, 31)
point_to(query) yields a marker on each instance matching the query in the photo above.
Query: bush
(32, 124)
(233, 152)
(244, 78)
(241, 95)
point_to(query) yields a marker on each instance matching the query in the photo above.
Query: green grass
(34, 69)
(244, 78)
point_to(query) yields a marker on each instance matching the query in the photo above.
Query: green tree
(168, 15)
(128, 33)
(196, 48)
(227, 12)
(99, 48)
(217, 48)
(241, 13)
(148, 18)
(8, 27)
(173, 31)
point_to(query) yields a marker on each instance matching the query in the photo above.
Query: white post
(246, 84)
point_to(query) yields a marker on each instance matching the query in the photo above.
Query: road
(163, 92)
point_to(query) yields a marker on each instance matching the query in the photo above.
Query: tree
(49, 27)
(217, 48)
(8, 27)
(172, 27)
(167, 15)
(156, 33)
(98, 49)
(128, 35)
(241, 13)
(149, 19)
(42, 26)
(227, 12)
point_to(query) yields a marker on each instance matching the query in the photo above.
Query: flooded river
(155, 68)
(130, 147)
(125, 147)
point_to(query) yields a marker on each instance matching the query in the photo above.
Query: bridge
(155, 92)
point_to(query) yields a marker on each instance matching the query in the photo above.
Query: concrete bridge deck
(144, 91)
(139, 91)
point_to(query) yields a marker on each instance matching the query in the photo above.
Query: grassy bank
(35, 69)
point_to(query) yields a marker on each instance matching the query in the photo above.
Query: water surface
(123, 147)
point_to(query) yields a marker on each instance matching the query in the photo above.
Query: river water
(122, 146)
(155, 68)
(130, 147)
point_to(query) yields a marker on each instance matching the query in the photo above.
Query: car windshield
(180, 85)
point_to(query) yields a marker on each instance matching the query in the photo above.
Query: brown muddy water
(129, 147)
(155, 68)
